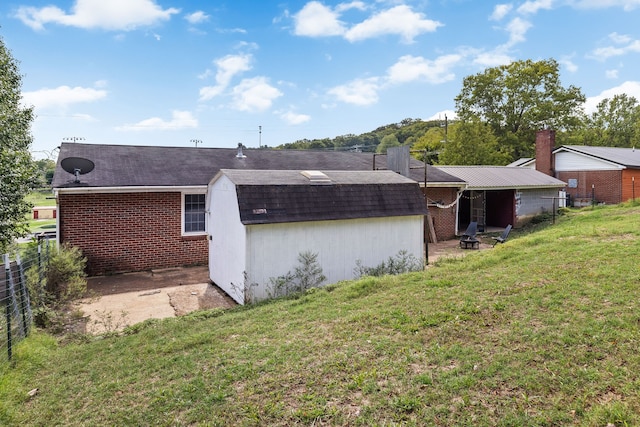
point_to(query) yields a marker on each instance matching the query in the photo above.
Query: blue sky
(168, 72)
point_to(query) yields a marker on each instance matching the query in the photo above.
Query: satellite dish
(77, 166)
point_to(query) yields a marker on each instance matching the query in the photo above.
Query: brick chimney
(545, 143)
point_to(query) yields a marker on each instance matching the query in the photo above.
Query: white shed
(260, 221)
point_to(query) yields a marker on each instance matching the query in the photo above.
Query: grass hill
(543, 330)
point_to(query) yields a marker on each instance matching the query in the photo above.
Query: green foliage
(307, 275)
(62, 281)
(615, 123)
(402, 262)
(472, 143)
(387, 142)
(17, 172)
(518, 99)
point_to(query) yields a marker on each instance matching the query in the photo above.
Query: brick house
(144, 207)
(606, 174)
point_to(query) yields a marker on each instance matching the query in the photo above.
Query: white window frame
(182, 212)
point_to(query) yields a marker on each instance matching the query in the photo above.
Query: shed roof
(502, 177)
(266, 196)
(148, 166)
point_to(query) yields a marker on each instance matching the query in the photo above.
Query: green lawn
(42, 197)
(543, 330)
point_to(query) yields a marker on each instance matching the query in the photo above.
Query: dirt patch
(121, 300)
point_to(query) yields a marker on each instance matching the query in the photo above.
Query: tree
(387, 141)
(518, 99)
(472, 143)
(615, 123)
(17, 171)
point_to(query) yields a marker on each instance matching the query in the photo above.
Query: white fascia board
(144, 189)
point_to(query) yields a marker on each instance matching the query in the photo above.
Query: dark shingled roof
(140, 166)
(266, 196)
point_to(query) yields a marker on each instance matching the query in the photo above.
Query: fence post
(7, 269)
(23, 296)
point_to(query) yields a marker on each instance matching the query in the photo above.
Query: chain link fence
(17, 317)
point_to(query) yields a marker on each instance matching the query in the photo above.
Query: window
(194, 213)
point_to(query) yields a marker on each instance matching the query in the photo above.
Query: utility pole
(259, 136)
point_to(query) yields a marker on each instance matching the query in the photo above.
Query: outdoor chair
(503, 237)
(468, 239)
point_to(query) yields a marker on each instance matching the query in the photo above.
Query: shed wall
(273, 249)
(227, 244)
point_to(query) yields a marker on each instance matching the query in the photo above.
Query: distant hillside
(408, 131)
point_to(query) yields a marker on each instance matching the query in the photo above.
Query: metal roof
(501, 177)
(267, 197)
(629, 157)
(148, 166)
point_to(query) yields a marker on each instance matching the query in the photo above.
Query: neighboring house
(261, 221)
(600, 174)
(143, 207)
(496, 196)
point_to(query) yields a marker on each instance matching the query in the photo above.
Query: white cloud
(400, 20)
(61, 97)
(121, 15)
(624, 45)
(533, 6)
(611, 74)
(179, 120)
(440, 115)
(569, 65)
(492, 58)
(627, 5)
(630, 88)
(317, 20)
(228, 67)
(358, 92)
(500, 11)
(197, 17)
(343, 7)
(294, 118)
(254, 94)
(410, 68)
(517, 29)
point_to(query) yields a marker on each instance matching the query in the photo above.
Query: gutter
(130, 189)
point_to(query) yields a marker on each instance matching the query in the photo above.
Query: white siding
(273, 249)
(227, 244)
(568, 161)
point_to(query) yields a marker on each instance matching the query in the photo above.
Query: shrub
(402, 262)
(307, 275)
(62, 281)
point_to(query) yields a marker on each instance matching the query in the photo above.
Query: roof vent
(240, 155)
(316, 177)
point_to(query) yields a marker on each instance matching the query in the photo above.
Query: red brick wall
(128, 231)
(545, 143)
(606, 185)
(630, 184)
(444, 220)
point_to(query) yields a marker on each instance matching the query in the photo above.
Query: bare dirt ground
(121, 300)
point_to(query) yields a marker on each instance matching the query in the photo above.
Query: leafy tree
(472, 143)
(17, 172)
(46, 168)
(518, 99)
(615, 123)
(387, 141)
